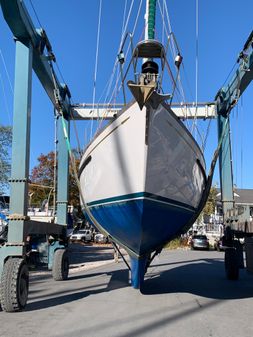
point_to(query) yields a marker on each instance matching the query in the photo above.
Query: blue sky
(72, 29)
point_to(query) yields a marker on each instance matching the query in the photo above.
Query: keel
(138, 269)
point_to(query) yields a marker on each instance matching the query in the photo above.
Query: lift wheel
(14, 285)
(60, 265)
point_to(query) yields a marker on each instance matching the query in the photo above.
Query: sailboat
(142, 176)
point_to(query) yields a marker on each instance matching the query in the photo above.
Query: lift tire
(60, 265)
(231, 264)
(14, 285)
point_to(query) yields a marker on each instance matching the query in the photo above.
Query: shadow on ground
(118, 279)
(200, 277)
(204, 278)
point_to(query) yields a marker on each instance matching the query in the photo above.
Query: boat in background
(143, 177)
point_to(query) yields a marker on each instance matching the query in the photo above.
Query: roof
(242, 196)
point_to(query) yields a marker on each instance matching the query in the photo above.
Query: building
(214, 222)
(243, 197)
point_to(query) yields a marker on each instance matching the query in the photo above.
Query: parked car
(100, 238)
(84, 235)
(199, 241)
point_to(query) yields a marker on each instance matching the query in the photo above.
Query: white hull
(145, 150)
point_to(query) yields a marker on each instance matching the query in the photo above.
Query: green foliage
(5, 147)
(210, 205)
(177, 243)
(42, 180)
(43, 176)
(211, 202)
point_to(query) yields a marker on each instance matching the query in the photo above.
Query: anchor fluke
(141, 92)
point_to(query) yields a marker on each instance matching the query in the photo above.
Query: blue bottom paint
(142, 225)
(138, 269)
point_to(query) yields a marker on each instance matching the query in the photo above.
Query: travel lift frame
(34, 51)
(237, 222)
(30, 54)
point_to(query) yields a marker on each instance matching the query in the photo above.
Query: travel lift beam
(226, 99)
(86, 111)
(33, 51)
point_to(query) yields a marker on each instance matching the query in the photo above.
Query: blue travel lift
(34, 51)
(237, 223)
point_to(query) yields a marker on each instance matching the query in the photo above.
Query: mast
(150, 19)
(148, 78)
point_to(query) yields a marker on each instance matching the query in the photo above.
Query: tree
(74, 198)
(42, 181)
(209, 206)
(211, 202)
(5, 166)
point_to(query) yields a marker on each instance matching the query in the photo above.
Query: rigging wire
(5, 99)
(116, 60)
(124, 20)
(63, 79)
(3, 87)
(194, 126)
(169, 26)
(59, 71)
(96, 65)
(188, 82)
(6, 71)
(163, 30)
(173, 48)
(76, 135)
(117, 88)
(123, 29)
(56, 116)
(181, 96)
(36, 15)
(109, 82)
(128, 49)
(179, 91)
(39, 22)
(230, 73)
(241, 157)
(234, 134)
(126, 24)
(120, 68)
(235, 146)
(180, 86)
(206, 136)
